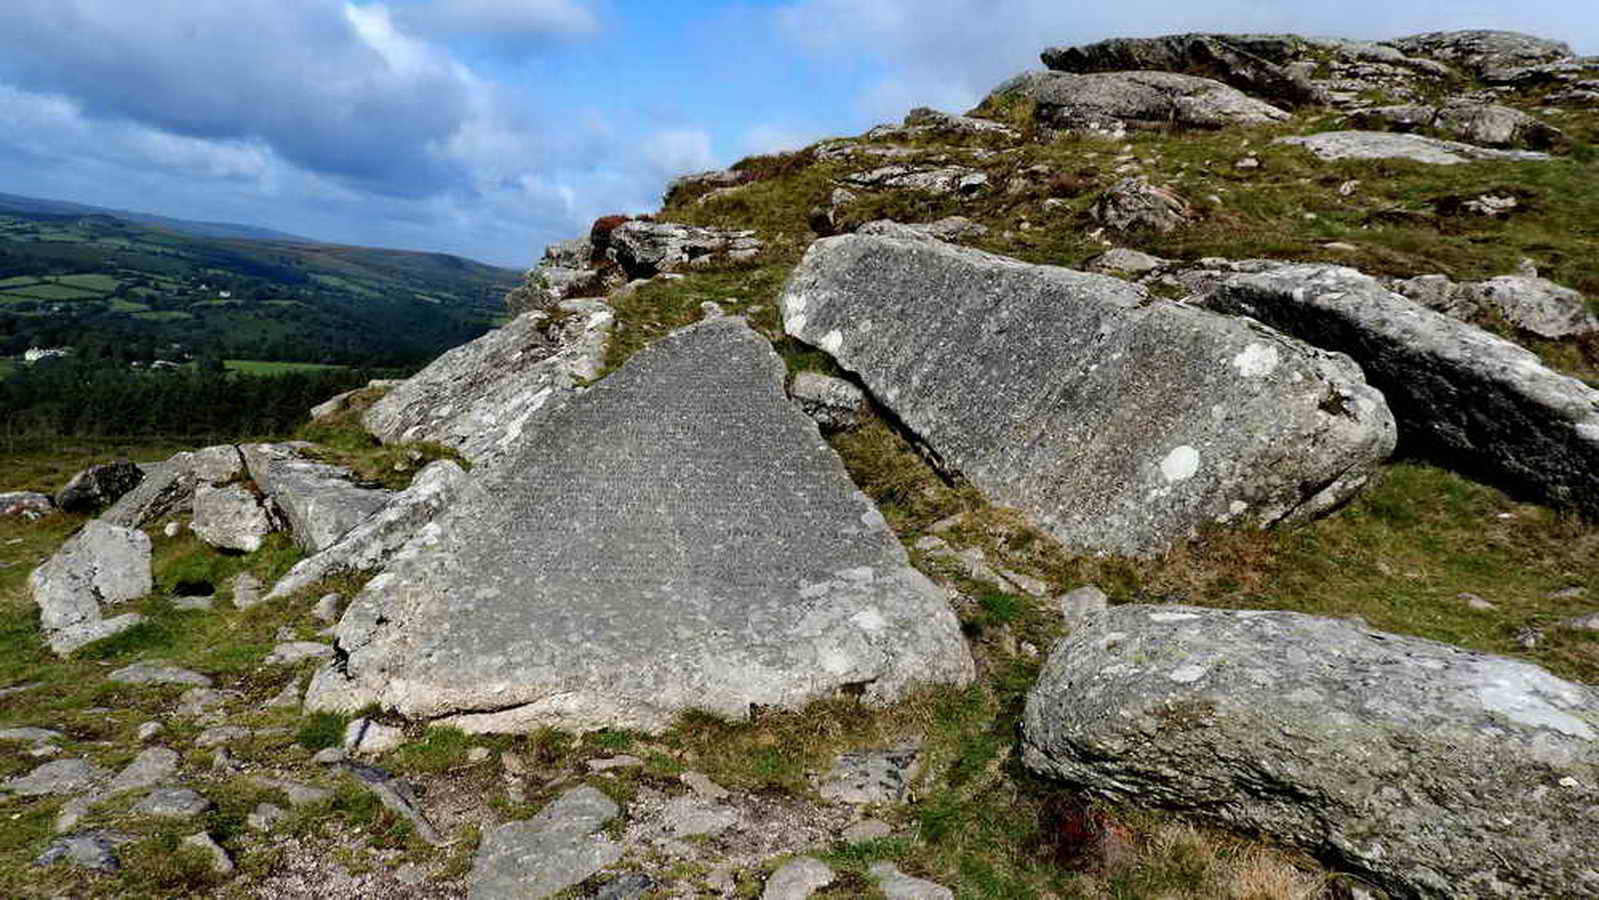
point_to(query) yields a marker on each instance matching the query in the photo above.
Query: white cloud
(521, 18)
(678, 151)
(777, 137)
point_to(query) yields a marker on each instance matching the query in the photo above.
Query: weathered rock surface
(1485, 51)
(152, 766)
(1226, 57)
(896, 885)
(1122, 423)
(1468, 399)
(1534, 304)
(566, 272)
(480, 397)
(88, 850)
(367, 546)
(173, 803)
(1124, 261)
(1331, 145)
(1133, 204)
(1108, 103)
(166, 489)
(600, 580)
(153, 673)
(834, 403)
(873, 776)
(798, 879)
(949, 228)
(63, 776)
(319, 502)
(98, 486)
(397, 797)
(100, 565)
(548, 853)
(221, 863)
(27, 505)
(1431, 769)
(644, 249)
(1483, 124)
(924, 120)
(246, 589)
(232, 517)
(941, 180)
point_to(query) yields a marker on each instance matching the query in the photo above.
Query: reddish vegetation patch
(1082, 838)
(600, 234)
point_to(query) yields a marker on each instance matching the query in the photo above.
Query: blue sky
(491, 127)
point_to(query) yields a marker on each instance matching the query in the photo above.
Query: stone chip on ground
(896, 885)
(1430, 769)
(173, 803)
(542, 856)
(756, 575)
(154, 673)
(89, 850)
(873, 776)
(1336, 145)
(798, 879)
(63, 776)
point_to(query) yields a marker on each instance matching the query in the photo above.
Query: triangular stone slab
(677, 537)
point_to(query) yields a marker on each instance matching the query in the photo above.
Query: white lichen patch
(833, 341)
(1187, 674)
(1257, 360)
(1180, 465)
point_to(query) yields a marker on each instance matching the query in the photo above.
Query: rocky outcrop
(99, 566)
(1122, 423)
(1228, 58)
(1332, 145)
(319, 502)
(1484, 124)
(367, 546)
(1532, 304)
(644, 249)
(834, 403)
(1482, 52)
(923, 122)
(26, 505)
(480, 397)
(1134, 204)
(566, 272)
(678, 536)
(1432, 770)
(1106, 104)
(940, 180)
(98, 486)
(949, 228)
(166, 489)
(231, 517)
(1467, 399)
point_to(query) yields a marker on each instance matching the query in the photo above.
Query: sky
(489, 128)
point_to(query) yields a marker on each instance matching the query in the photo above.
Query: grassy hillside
(94, 281)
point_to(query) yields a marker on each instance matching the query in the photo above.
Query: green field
(163, 315)
(90, 282)
(53, 292)
(257, 367)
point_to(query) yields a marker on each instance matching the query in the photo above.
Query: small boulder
(1222, 56)
(896, 885)
(98, 486)
(1134, 204)
(247, 590)
(834, 403)
(371, 738)
(166, 489)
(644, 249)
(232, 517)
(95, 850)
(1433, 770)
(102, 564)
(1106, 104)
(292, 653)
(798, 879)
(26, 505)
(874, 776)
(319, 502)
(221, 863)
(173, 803)
(1335, 145)
(153, 673)
(63, 776)
(556, 849)
(151, 767)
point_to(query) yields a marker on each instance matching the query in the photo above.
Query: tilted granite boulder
(644, 249)
(1431, 770)
(99, 566)
(1221, 56)
(479, 397)
(1482, 52)
(1133, 204)
(677, 537)
(1467, 399)
(1107, 103)
(318, 502)
(1121, 422)
(1483, 124)
(1334, 145)
(1535, 305)
(166, 489)
(367, 546)
(231, 517)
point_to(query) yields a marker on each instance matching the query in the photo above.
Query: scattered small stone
(896, 885)
(1589, 622)
(172, 529)
(30, 735)
(704, 787)
(556, 849)
(201, 700)
(398, 797)
(19, 688)
(327, 609)
(247, 591)
(89, 850)
(1082, 603)
(287, 633)
(868, 830)
(151, 673)
(73, 811)
(372, 738)
(478, 754)
(1574, 592)
(288, 698)
(1348, 188)
(148, 730)
(1341, 247)
(293, 652)
(151, 767)
(1249, 162)
(410, 874)
(329, 755)
(265, 817)
(220, 863)
(173, 803)
(1029, 585)
(874, 776)
(627, 887)
(223, 762)
(1476, 602)
(691, 816)
(221, 734)
(605, 765)
(298, 794)
(1529, 636)
(63, 776)
(190, 604)
(798, 879)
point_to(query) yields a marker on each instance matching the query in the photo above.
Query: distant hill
(132, 284)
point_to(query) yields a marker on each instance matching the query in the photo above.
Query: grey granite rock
(798, 879)
(397, 797)
(873, 776)
(155, 673)
(151, 767)
(31, 735)
(949, 228)
(371, 738)
(294, 652)
(678, 536)
(27, 505)
(1123, 260)
(1334, 145)
(1078, 605)
(1483, 51)
(299, 794)
(246, 591)
(1432, 770)
(1122, 423)
(367, 546)
(221, 863)
(173, 803)
(867, 830)
(167, 489)
(101, 565)
(1108, 103)
(1222, 56)
(327, 606)
(201, 700)
(1133, 204)
(232, 517)
(265, 817)
(319, 502)
(549, 853)
(98, 486)
(1533, 304)
(940, 180)
(88, 850)
(481, 397)
(644, 249)
(691, 816)
(1468, 399)
(834, 403)
(896, 885)
(63, 776)
(629, 886)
